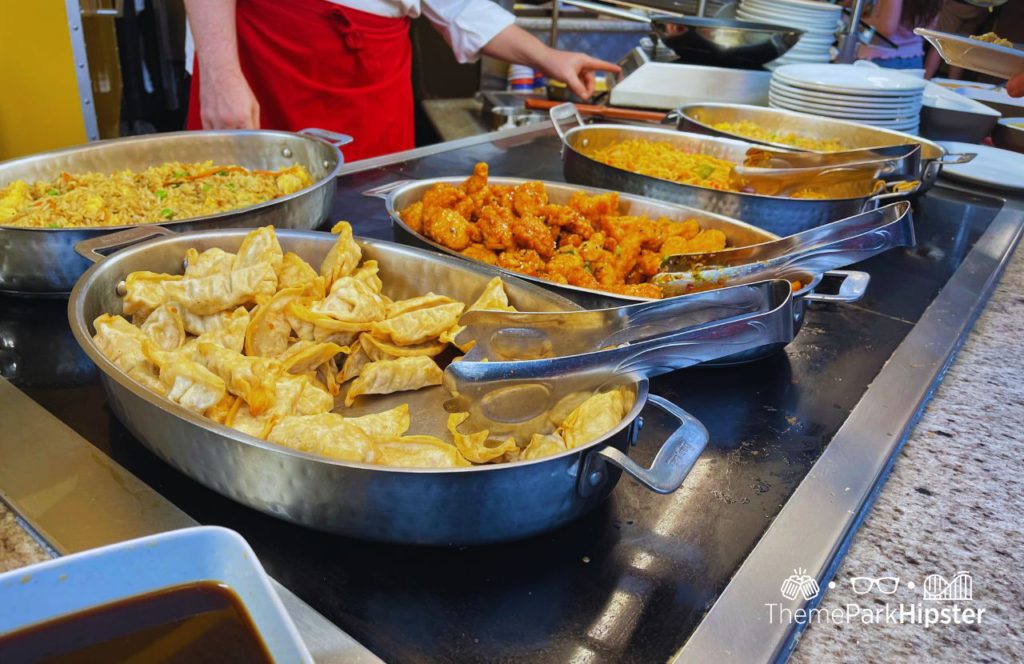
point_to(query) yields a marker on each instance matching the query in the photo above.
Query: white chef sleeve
(467, 25)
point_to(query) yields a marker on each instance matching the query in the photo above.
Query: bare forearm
(513, 44)
(213, 28)
(885, 16)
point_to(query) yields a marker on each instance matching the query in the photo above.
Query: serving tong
(817, 250)
(528, 371)
(777, 173)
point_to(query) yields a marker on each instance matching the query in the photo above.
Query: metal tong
(818, 250)
(774, 173)
(540, 366)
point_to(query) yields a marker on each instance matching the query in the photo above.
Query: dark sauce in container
(194, 624)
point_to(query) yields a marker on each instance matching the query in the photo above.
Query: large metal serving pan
(426, 506)
(42, 261)
(776, 214)
(699, 118)
(400, 195)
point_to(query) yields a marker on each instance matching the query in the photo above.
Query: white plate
(832, 78)
(82, 581)
(992, 167)
(959, 51)
(816, 26)
(796, 5)
(850, 113)
(900, 125)
(856, 97)
(850, 102)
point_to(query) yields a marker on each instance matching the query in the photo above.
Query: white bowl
(833, 77)
(64, 586)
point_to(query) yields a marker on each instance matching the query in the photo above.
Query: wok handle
(852, 289)
(676, 457)
(566, 111)
(956, 158)
(93, 248)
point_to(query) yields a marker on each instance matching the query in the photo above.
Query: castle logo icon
(959, 588)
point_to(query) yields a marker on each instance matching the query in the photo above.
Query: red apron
(312, 63)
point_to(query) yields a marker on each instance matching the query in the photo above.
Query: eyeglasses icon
(887, 585)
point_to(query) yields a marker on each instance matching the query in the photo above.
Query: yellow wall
(39, 104)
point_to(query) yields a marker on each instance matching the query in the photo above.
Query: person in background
(959, 17)
(345, 65)
(896, 20)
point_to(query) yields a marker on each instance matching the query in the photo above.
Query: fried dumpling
(294, 272)
(231, 332)
(121, 343)
(212, 261)
(144, 292)
(330, 375)
(306, 356)
(398, 375)
(419, 325)
(352, 300)
(368, 274)
(189, 384)
(419, 452)
(216, 292)
(381, 349)
(595, 417)
(196, 325)
(220, 411)
(543, 445)
(252, 378)
(260, 247)
(269, 332)
(399, 307)
(493, 297)
(474, 446)
(299, 395)
(165, 326)
(354, 363)
(242, 419)
(327, 434)
(384, 426)
(343, 257)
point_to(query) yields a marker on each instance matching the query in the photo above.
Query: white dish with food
(974, 54)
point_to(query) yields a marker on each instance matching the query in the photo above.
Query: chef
(345, 65)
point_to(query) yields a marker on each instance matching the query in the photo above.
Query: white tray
(960, 51)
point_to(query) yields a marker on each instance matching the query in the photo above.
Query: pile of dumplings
(262, 342)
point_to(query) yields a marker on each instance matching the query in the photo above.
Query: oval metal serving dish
(42, 261)
(426, 506)
(854, 284)
(700, 118)
(779, 215)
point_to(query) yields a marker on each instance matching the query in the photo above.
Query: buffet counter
(801, 443)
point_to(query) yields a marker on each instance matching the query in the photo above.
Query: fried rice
(752, 130)
(169, 192)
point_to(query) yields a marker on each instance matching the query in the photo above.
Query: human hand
(576, 70)
(227, 101)
(1015, 87)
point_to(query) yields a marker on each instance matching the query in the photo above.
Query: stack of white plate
(818, 20)
(866, 94)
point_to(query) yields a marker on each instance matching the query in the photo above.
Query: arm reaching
(1015, 87)
(226, 99)
(513, 44)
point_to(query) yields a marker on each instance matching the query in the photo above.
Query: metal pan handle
(385, 189)
(894, 192)
(956, 158)
(96, 249)
(673, 462)
(566, 111)
(852, 289)
(332, 137)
